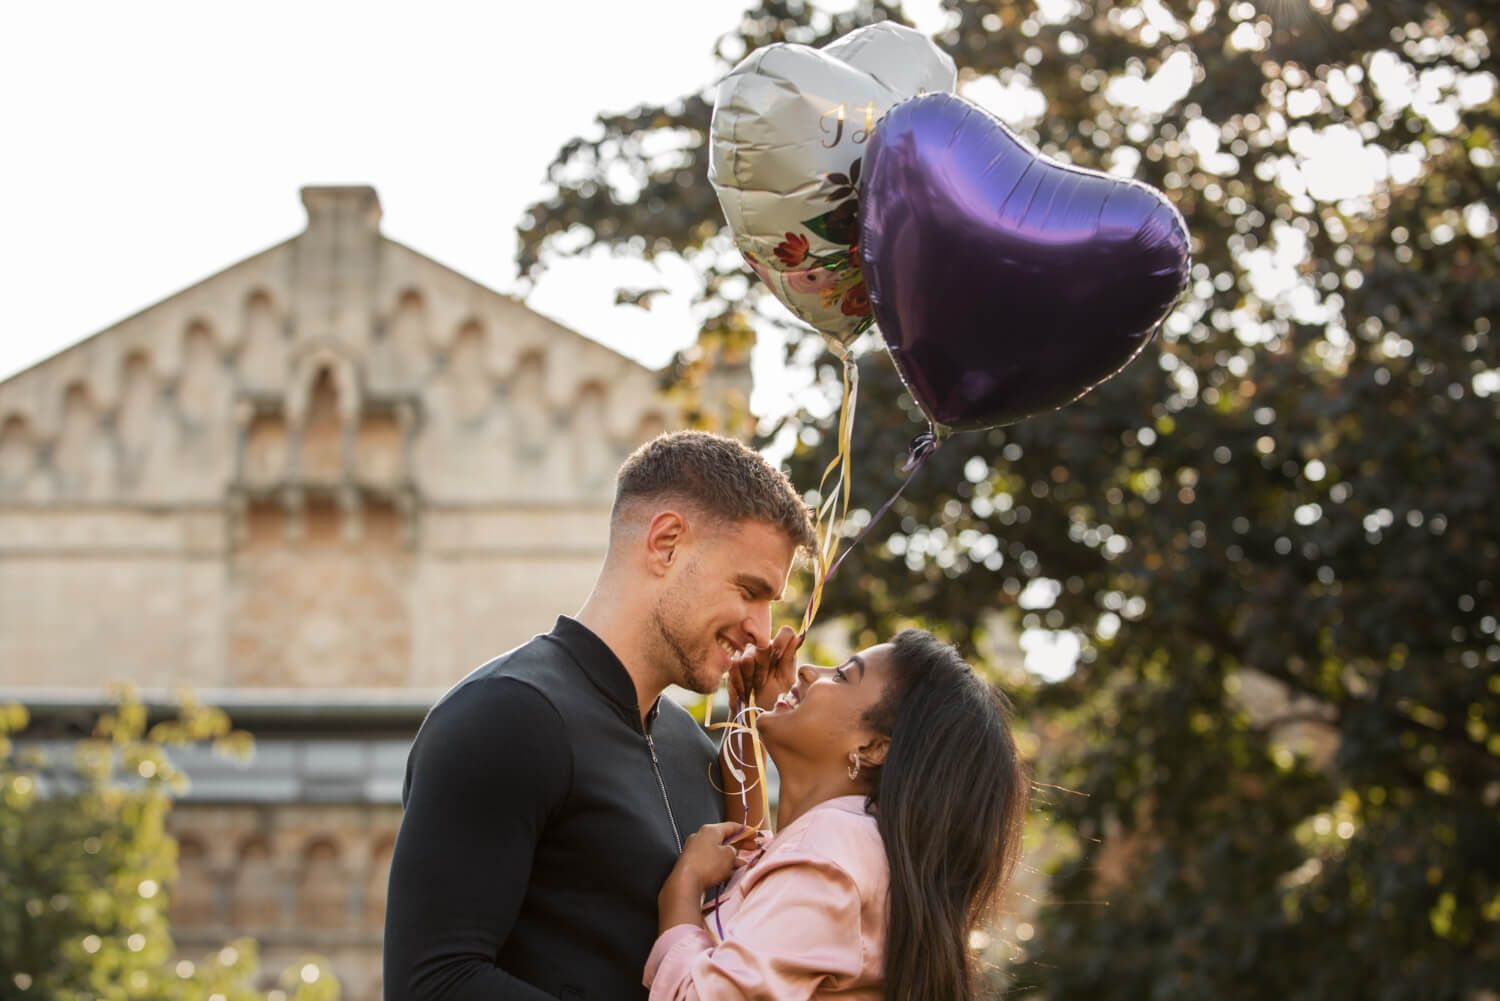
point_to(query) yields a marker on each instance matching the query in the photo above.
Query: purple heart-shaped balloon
(1006, 283)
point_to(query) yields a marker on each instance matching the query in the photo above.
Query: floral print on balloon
(834, 278)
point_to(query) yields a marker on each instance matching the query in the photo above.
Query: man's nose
(757, 626)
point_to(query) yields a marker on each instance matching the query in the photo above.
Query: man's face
(718, 599)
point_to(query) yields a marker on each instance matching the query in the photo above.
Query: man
(547, 795)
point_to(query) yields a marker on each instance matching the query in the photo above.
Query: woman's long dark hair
(949, 800)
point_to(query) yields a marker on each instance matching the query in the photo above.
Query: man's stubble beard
(681, 666)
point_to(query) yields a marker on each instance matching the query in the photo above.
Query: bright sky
(148, 146)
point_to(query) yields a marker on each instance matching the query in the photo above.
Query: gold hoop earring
(853, 765)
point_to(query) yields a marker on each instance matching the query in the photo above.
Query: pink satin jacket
(805, 918)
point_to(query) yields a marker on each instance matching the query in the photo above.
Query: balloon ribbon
(922, 447)
(832, 512)
(742, 723)
(834, 506)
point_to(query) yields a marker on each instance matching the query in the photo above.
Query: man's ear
(873, 752)
(665, 534)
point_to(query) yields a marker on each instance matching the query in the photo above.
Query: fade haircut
(718, 476)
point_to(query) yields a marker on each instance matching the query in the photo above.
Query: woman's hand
(708, 858)
(709, 855)
(766, 671)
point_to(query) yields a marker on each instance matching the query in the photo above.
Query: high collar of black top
(600, 664)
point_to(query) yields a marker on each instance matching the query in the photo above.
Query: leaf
(838, 225)
(840, 180)
(1197, 825)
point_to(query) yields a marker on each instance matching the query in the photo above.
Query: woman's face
(821, 718)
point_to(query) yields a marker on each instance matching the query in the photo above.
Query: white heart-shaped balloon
(789, 127)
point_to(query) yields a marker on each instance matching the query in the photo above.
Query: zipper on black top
(660, 784)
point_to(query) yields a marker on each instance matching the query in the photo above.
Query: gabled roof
(341, 253)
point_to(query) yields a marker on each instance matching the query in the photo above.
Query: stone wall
(336, 463)
(336, 467)
(299, 879)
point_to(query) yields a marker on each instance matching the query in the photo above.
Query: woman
(900, 815)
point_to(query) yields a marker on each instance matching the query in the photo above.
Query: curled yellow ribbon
(833, 508)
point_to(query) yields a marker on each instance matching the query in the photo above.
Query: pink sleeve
(798, 929)
(677, 942)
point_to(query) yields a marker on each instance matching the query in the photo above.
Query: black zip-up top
(541, 819)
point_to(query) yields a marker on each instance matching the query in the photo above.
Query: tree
(1294, 486)
(86, 867)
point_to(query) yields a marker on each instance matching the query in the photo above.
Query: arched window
(323, 892)
(255, 901)
(406, 353)
(263, 348)
(81, 456)
(468, 372)
(202, 388)
(322, 437)
(594, 460)
(193, 895)
(135, 422)
(17, 454)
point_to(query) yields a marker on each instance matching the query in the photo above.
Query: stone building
(317, 488)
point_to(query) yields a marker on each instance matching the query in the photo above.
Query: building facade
(316, 488)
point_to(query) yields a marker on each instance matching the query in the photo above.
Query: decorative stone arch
(135, 416)
(469, 371)
(196, 894)
(262, 297)
(470, 346)
(528, 383)
(323, 888)
(256, 896)
(531, 362)
(202, 379)
(593, 452)
(407, 297)
(136, 360)
(532, 435)
(322, 406)
(202, 329)
(262, 344)
(82, 457)
(307, 367)
(77, 393)
(402, 355)
(18, 454)
(260, 311)
(591, 389)
(471, 326)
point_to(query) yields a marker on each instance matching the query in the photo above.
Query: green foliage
(1294, 483)
(86, 864)
(640, 190)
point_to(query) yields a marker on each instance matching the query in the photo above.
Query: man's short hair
(719, 476)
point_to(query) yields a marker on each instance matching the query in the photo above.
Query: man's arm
(490, 766)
